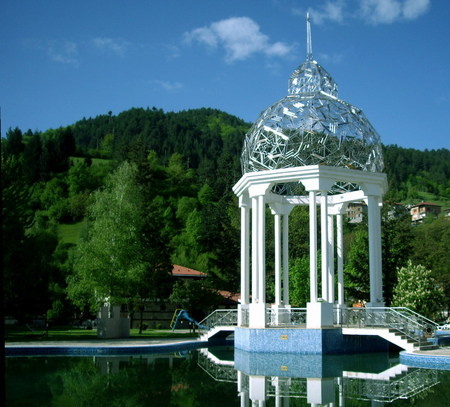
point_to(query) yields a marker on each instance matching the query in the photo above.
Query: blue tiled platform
(307, 365)
(305, 341)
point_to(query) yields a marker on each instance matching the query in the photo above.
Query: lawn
(22, 334)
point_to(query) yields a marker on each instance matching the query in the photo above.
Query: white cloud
(415, 8)
(64, 52)
(390, 11)
(371, 11)
(116, 46)
(170, 86)
(241, 38)
(330, 10)
(171, 51)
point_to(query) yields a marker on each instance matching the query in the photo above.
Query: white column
(277, 259)
(255, 289)
(245, 259)
(286, 259)
(378, 257)
(324, 237)
(331, 259)
(374, 251)
(340, 257)
(261, 250)
(312, 247)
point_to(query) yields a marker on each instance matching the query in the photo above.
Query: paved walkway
(445, 351)
(101, 346)
(100, 342)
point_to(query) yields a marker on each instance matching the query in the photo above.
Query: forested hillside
(61, 188)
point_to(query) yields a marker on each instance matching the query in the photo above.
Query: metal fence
(400, 319)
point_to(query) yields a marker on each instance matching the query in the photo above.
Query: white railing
(406, 386)
(220, 317)
(286, 316)
(403, 320)
(400, 319)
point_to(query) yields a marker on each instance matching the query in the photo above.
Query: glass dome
(312, 126)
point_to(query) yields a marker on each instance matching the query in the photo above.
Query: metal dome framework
(312, 126)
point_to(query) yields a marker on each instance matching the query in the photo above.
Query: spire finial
(309, 55)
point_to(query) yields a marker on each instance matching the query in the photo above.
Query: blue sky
(65, 60)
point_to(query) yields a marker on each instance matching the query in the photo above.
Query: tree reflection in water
(221, 377)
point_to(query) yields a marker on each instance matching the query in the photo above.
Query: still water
(222, 376)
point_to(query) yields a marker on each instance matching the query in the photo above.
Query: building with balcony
(423, 210)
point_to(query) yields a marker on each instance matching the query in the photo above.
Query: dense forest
(63, 193)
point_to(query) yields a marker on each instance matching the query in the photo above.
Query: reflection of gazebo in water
(309, 148)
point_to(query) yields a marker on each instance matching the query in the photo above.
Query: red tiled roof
(180, 271)
(229, 295)
(426, 204)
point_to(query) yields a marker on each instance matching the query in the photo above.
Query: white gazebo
(310, 148)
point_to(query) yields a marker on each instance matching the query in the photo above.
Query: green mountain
(187, 164)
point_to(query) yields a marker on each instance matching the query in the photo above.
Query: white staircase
(392, 336)
(386, 375)
(398, 325)
(219, 324)
(218, 332)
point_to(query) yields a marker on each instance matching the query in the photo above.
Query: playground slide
(184, 314)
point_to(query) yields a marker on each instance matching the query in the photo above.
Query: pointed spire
(309, 55)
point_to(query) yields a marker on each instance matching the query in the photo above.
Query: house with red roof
(159, 314)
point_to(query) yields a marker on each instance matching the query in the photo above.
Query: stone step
(428, 347)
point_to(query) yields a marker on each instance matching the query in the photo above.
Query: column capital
(244, 201)
(278, 208)
(337, 209)
(259, 189)
(372, 189)
(318, 183)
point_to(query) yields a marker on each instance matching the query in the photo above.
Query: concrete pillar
(281, 211)
(330, 258)
(255, 288)
(340, 257)
(313, 287)
(375, 265)
(257, 388)
(324, 244)
(245, 263)
(277, 238)
(320, 391)
(245, 258)
(242, 391)
(261, 250)
(286, 258)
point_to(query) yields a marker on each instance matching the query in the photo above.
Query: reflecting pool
(222, 376)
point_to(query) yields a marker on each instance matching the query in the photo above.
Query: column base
(340, 308)
(281, 314)
(257, 315)
(320, 391)
(243, 314)
(319, 314)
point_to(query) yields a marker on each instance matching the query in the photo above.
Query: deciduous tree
(111, 260)
(418, 290)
